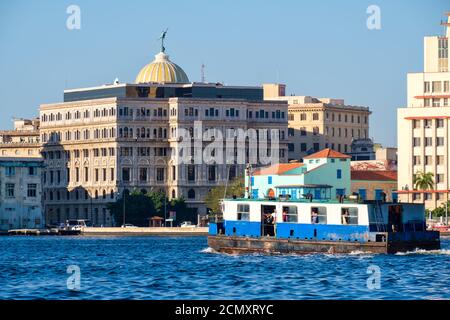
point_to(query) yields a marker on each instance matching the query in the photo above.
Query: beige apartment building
(22, 141)
(423, 126)
(104, 141)
(318, 123)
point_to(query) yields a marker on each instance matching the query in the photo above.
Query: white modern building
(423, 126)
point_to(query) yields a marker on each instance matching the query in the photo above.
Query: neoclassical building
(318, 123)
(103, 141)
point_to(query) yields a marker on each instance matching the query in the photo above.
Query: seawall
(141, 231)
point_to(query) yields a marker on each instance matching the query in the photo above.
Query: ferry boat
(325, 226)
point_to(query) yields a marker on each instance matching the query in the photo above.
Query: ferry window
(349, 215)
(319, 215)
(243, 212)
(290, 214)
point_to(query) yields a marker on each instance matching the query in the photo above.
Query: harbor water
(80, 267)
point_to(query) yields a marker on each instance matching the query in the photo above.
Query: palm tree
(423, 181)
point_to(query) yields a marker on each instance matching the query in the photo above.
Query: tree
(235, 188)
(138, 208)
(183, 213)
(423, 181)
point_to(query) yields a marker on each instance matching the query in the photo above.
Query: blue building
(323, 175)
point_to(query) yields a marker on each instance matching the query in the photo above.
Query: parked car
(129, 225)
(187, 224)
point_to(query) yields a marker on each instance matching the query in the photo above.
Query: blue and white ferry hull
(324, 227)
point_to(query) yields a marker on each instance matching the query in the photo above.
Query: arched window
(191, 194)
(96, 194)
(173, 194)
(104, 194)
(111, 194)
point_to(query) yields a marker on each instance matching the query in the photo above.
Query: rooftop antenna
(446, 24)
(203, 73)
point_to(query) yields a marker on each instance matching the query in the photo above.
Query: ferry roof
(323, 201)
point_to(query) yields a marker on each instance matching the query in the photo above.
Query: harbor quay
(145, 231)
(114, 231)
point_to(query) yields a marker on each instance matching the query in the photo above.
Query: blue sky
(319, 48)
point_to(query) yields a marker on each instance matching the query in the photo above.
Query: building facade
(20, 193)
(22, 141)
(318, 123)
(370, 179)
(104, 141)
(323, 175)
(423, 126)
(362, 149)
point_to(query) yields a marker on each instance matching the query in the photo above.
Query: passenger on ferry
(345, 216)
(314, 216)
(269, 224)
(285, 215)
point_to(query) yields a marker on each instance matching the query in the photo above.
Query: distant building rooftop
(327, 153)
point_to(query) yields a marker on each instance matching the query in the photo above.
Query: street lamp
(123, 212)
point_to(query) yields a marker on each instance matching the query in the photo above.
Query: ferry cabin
(318, 220)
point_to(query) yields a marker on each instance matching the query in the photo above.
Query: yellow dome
(162, 70)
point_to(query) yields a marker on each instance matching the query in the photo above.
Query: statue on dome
(162, 37)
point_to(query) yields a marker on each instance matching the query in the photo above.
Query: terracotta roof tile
(372, 175)
(278, 168)
(326, 153)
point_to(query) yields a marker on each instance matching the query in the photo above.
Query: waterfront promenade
(145, 231)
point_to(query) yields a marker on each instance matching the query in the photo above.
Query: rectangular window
(318, 215)
(428, 160)
(349, 216)
(439, 123)
(303, 147)
(243, 212)
(10, 171)
(439, 178)
(191, 172)
(112, 174)
(339, 174)
(439, 160)
(316, 147)
(9, 187)
(160, 174)
(416, 142)
(32, 190)
(142, 174)
(290, 132)
(428, 141)
(126, 174)
(32, 171)
(290, 214)
(436, 86)
(269, 179)
(416, 160)
(439, 141)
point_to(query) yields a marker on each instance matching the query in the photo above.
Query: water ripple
(185, 268)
